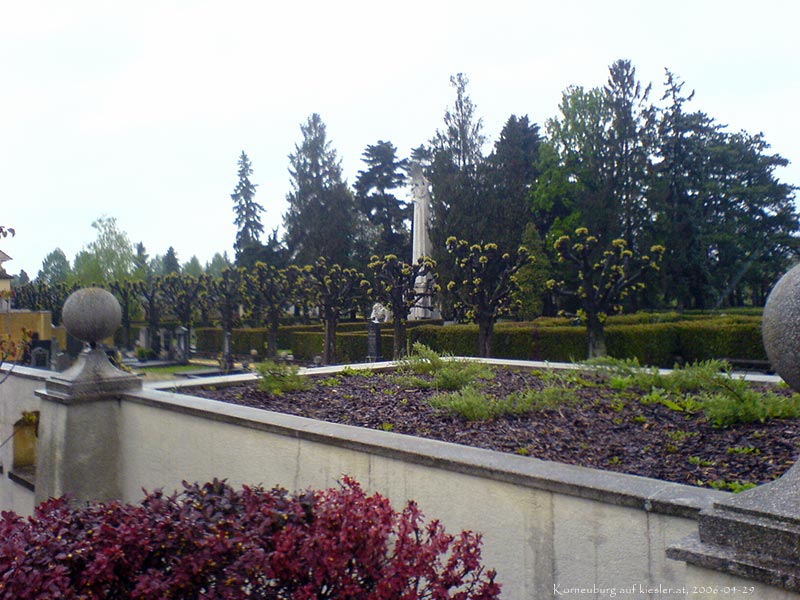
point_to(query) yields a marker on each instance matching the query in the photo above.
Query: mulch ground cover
(604, 428)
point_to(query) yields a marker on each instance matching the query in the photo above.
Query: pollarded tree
(52, 298)
(320, 220)
(226, 294)
(394, 286)
(271, 292)
(152, 299)
(181, 293)
(336, 290)
(603, 279)
(248, 211)
(485, 285)
(126, 293)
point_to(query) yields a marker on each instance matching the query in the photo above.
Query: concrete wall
(549, 529)
(546, 526)
(16, 395)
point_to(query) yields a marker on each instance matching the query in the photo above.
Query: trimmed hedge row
(662, 343)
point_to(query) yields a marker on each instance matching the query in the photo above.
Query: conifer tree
(248, 211)
(320, 221)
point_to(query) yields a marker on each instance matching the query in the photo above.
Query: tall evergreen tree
(141, 262)
(458, 205)
(55, 268)
(686, 142)
(510, 172)
(248, 211)
(320, 219)
(170, 262)
(457, 153)
(717, 194)
(631, 141)
(384, 211)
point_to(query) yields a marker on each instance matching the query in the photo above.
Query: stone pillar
(79, 419)
(753, 539)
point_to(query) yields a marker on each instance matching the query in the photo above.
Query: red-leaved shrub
(212, 541)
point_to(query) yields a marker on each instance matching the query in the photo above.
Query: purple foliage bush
(212, 541)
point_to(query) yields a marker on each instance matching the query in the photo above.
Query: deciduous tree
(393, 284)
(272, 291)
(604, 276)
(109, 257)
(485, 285)
(336, 289)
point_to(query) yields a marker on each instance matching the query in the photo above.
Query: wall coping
(27, 372)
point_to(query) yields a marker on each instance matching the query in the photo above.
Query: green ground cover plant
(424, 368)
(707, 386)
(278, 378)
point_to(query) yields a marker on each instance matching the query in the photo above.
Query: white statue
(380, 314)
(421, 196)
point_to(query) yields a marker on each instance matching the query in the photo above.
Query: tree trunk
(329, 350)
(272, 336)
(399, 339)
(485, 338)
(595, 337)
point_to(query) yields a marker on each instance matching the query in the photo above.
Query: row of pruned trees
(485, 286)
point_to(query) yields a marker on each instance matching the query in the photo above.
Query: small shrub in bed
(278, 378)
(212, 541)
(443, 372)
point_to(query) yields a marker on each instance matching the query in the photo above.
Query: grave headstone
(374, 350)
(181, 352)
(40, 358)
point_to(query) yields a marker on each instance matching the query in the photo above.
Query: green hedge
(660, 343)
(209, 340)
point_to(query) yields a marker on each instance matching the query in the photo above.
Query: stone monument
(421, 197)
(756, 534)
(421, 242)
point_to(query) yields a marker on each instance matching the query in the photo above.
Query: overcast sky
(139, 110)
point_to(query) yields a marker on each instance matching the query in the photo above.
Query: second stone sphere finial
(91, 314)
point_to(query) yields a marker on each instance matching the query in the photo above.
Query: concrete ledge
(27, 372)
(728, 560)
(643, 493)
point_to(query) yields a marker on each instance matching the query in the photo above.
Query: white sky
(139, 110)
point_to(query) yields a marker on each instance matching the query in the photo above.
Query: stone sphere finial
(780, 327)
(91, 314)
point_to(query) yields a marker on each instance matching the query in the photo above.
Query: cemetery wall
(544, 524)
(549, 529)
